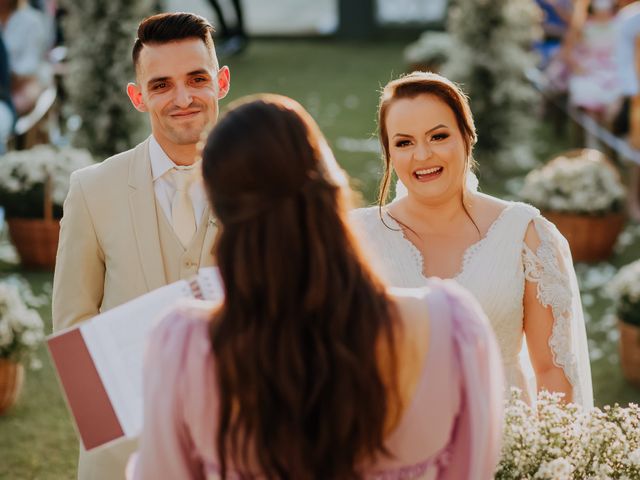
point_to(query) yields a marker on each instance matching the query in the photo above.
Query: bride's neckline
(469, 252)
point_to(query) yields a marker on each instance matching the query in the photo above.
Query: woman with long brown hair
(310, 368)
(515, 262)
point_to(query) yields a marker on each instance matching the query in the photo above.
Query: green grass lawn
(338, 83)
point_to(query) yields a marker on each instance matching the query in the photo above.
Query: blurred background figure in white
(27, 35)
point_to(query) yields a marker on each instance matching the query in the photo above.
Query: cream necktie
(182, 214)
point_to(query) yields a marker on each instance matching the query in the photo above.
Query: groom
(140, 219)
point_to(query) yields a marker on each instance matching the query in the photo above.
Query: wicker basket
(590, 238)
(11, 381)
(630, 352)
(36, 240)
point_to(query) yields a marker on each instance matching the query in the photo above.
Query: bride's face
(426, 147)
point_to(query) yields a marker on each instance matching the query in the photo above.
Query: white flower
(624, 288)
(21, 328)
(583, 184)
(430, 46)
(6, 335)
(556, 469)
(21, 170)
(634, 458)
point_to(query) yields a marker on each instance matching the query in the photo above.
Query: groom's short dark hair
(169, 27)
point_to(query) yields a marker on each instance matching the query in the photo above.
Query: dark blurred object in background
(234, 40)
(7, 112)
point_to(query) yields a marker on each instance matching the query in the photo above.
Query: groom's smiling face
(179, 85)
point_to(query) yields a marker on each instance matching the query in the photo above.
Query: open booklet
(100, 361)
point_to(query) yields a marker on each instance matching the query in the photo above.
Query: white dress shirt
(164, 184)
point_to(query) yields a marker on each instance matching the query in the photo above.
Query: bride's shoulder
(523, 218)
(367, 218)
(364, 212)
(492, 207)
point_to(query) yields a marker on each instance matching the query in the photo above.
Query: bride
(513, 260)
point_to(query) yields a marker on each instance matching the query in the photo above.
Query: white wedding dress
(494, 270)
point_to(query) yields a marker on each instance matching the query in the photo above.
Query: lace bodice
(494, 270)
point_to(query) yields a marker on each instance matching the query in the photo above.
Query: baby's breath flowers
(21, 328)
(554, 441)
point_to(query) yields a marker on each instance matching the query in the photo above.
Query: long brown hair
(295, 340)
(411, 86)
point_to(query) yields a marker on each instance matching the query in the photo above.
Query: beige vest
(180, 263)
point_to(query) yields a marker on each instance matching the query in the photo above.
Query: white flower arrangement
(431, 47)
(624, 288)
(23, 172)
(492, 50)
(562, 442)
(99, 36)
(584, 184)
(21, 327)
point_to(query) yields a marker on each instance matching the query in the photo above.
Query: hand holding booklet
(100, 361)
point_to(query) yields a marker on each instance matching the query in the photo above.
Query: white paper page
(117, 340)
(210, 283)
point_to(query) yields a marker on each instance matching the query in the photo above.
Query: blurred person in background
(310, 368)
(234, 39)
(594, 85)
(555, 23)
(627, 54)
(28, 36)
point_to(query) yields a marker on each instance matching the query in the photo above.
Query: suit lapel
(142, 201)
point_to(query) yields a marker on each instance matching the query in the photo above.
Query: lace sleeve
(551, 268)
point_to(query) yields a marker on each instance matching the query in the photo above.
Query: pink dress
(597, 85)
(450, 430)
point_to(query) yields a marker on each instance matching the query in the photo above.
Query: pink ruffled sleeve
(475, 449)
(166, 449)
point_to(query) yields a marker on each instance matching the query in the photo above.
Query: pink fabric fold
(476, 443)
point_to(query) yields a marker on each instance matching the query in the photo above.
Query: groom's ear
(135, 95)
(224, 82)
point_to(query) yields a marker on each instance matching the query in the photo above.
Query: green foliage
(100, 36)
(37, 438)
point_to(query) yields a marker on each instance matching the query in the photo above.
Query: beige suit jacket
(109, 253)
